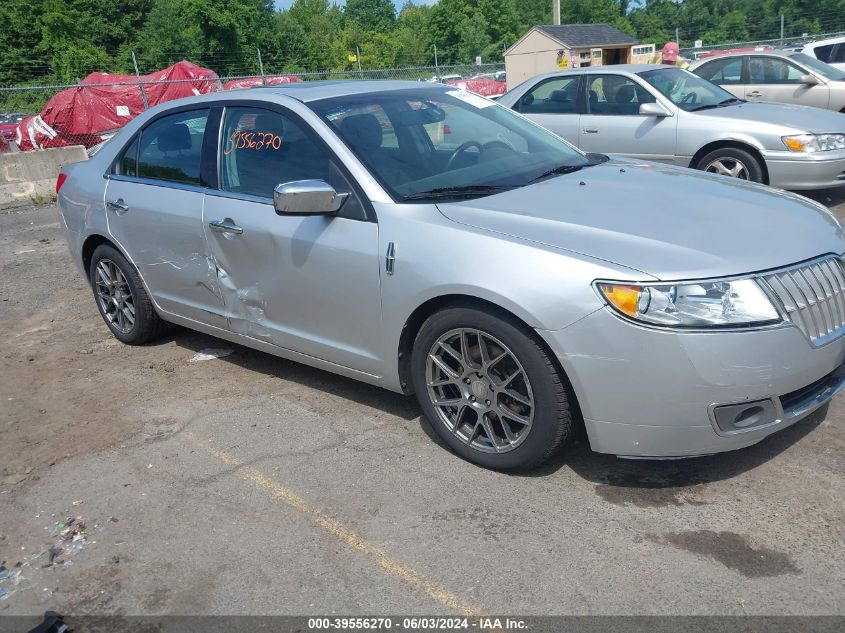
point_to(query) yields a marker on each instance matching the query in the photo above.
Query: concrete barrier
(30, 177)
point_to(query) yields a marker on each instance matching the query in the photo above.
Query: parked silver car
(516, 285)
(777, 76)
(670, 115)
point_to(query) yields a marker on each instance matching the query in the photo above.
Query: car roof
(616, 68)
(768, 52)
(313, 90)
(830, 40)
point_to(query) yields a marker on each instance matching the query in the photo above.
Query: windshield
(686, 90)
(825, 70)
(437, 143)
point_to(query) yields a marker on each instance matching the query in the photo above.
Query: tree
(374, 15)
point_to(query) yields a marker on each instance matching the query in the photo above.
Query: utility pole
(436, 66)
(556, 12)
(140, 83)
(358, 57)
(261, 68)
(781, 29)
(677, 37)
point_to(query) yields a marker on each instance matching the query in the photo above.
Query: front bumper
(646, 392)
(793, 171)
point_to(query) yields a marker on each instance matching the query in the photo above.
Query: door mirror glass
(653, 109)
(307, 197)
(809, 80)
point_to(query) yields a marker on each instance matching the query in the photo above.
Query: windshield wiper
(560, 169)
(592, 160)
(470, 191)
(710, 106)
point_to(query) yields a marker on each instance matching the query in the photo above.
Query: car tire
(732, 162)
(539, 391)
(122, 299)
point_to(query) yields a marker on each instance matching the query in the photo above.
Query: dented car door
(308, 283)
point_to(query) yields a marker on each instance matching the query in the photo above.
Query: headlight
(809, 143)
(693, 304)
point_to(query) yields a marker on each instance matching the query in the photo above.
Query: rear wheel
(489, 388)
(733, 162)
(121, 298)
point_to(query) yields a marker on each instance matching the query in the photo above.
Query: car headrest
(625, 94)
(174, 138)
(271, 123)
(559, 95)
(362, 130)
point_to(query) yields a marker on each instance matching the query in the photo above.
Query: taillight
(447, 129)
(60, 180)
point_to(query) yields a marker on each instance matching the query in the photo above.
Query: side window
(262, 149)
(770, 70)
(554, 96)
(127, 164)
(722, 71)
(615, 95)
(171, 148)
(837, 56)
(823, 53)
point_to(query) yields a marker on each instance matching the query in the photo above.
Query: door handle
(755, 93)
(225, 226)
(118, 206)
(591, 130)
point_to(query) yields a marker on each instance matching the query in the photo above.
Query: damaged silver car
(429, 241)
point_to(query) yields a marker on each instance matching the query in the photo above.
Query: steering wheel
(691, 98)
(498, 143)
(460, 150)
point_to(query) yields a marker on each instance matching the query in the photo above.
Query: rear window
(171, 148)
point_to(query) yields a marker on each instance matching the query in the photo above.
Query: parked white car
(831, 51)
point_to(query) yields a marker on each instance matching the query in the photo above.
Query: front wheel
(733, 162)
(489, 389)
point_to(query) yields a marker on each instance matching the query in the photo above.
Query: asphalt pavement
(135, 481)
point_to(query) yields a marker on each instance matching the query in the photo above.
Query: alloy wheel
(728, 167)
(114, 296)
(480, 390)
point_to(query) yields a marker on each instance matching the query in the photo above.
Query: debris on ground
(70, 537)
(210, 353)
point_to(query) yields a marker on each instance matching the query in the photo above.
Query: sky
(284, 4)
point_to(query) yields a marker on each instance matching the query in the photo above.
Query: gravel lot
(253, 485)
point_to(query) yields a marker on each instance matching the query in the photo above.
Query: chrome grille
(813, 296)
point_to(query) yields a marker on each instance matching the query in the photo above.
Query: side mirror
(307, 197)
(653, 109)
(810, 80)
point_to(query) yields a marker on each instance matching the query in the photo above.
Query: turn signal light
(623, 298)
(60, 180)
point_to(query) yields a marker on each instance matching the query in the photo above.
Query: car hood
(794, 117)
(666, 222)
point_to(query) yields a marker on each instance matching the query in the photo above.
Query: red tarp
(79, 115)
(254, 82)
(482, 86)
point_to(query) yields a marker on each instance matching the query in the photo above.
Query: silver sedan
(670, 115)
(777, 76)
(430, 241)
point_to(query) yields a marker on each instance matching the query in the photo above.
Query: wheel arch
(748, 147)
(90, 245)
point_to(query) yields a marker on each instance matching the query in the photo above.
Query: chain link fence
(770, 43)
(86, 112)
